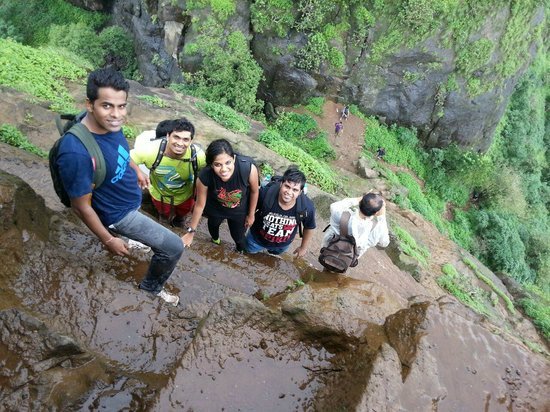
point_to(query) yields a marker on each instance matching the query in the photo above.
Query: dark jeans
(166, 245)
(236, 229)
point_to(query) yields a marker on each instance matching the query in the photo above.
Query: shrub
(153, 100)
(272, 15)
(501, 244)
(228, 75)
(225, 116)
(315, 105)
(40, 72)
(32, 19)
(318, 173)
(302, 131)
(11, 135)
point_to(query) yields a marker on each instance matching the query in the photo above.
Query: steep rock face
(425, 85)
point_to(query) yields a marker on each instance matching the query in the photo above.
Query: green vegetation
(460, 286)
(317, 172)
(31, 19)
(59, 24)
(10, 135)
(229, 74)
(111, 46)
(491, 284)
(409, 245)
(40, 73)
(225, 116)
(537, 307)
(315, 105)
(302, 131)
(130, 132)
(272, 15)
(153, 100)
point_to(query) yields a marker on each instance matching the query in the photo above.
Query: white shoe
(168, 297)
(134, 244)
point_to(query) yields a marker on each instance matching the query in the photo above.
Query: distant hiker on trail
(338, 128)
(367, 223)
(227, 188)
(114, 206)
(282, 208)
(173, 162)
(380, 153)
(345, 113)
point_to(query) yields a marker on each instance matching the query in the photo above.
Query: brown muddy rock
(344, 310)
(30, 357)
(384, 382)
(453, 362)
(246, 357)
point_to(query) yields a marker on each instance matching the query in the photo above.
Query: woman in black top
(227, 188)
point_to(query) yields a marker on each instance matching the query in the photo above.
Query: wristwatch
(191, 230)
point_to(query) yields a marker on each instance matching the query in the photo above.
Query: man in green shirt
(171, 180)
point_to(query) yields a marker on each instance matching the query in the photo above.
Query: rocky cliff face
(251, 332)
(449, 73)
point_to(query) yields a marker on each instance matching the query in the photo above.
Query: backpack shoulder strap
(344, 220)
(271, 194)
(89, 142)
(160, 154)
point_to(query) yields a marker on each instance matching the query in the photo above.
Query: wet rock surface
(250, 333)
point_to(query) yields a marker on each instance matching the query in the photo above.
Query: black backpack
(271, 195)
(74, 126)
(341, 251)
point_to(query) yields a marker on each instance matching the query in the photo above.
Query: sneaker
(134, 244)
(169, 297)
(178, 221)
(216, 241)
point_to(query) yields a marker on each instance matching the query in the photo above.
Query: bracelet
(112, 237)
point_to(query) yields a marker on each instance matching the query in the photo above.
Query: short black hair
(370, 204)
(294, 175)
(106, 77)
(166, 127)
(218, 147)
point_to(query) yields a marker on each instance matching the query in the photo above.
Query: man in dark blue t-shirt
(113, 207)
(276, 224)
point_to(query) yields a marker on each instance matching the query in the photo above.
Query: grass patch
(302, 131)
(315, 105)
(491, 284)
(317, 172)
(11, 135)
(153, 100)
(41, 73)
(460, 286)
(409, 246)
(225, 116)
(537, 308)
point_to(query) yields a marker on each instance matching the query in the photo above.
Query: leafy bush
(225, 116)
(31, 19)
(318, 173)
(272, 15)
(537, 307)
(501, 244)
(40, 72)
(315, 105)
(302, 131)
(113, 46)
(229, 74)
(153, 100)
(10, 135)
